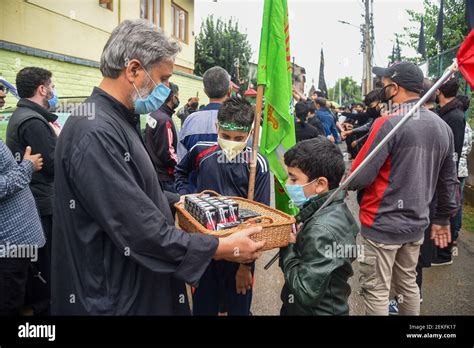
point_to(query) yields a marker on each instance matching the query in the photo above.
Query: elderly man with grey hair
(116, 250)
(201, 125)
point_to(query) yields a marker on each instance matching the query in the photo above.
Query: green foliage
(351, 91)
(468, 218)
(454, 32)
(455, 27)
(221, 43)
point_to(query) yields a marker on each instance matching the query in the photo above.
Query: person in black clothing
(312, 119)
(356, 137)
(359, 117)
(452, 112)
(190, 107)
(428, 247)
(304, 130)
(118, 252)
(161, 139)
(33, 125)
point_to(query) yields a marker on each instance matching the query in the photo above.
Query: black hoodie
(453, 114)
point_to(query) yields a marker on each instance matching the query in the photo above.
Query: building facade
(67, 38)
(299, 76)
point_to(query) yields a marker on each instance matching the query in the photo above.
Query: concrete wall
(67, 37)
(73, 80)
(70, 79)
(80, 28)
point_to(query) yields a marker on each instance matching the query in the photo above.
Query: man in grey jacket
(398, 185)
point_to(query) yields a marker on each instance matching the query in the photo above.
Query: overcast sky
(314, 23)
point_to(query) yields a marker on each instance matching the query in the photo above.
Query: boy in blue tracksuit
(223, 166)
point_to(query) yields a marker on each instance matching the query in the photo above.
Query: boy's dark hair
(237, 110)
(372, 96)
(301, 109)
(301, 112)
(29, 79)
(311, 107)
(174, 89)
(316, 158)
(321, 101)
(450, 88)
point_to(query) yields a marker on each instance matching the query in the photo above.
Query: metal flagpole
(448, 72)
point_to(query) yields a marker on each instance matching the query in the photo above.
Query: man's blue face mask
(154, 100)
(54, 100)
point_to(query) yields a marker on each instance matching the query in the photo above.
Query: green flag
(274, 71)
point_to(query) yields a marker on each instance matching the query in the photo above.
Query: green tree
(351, 91)
(221, 43)
(454, 31)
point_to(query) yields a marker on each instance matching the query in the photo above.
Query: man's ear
(42, 90)
(131, 70)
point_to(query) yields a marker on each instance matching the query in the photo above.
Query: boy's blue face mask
(296, 193)
(154, 101)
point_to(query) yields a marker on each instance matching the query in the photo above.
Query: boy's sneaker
(393, 307)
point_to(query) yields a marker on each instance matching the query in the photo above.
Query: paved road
(447, 290)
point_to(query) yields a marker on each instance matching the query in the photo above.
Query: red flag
(465, 59)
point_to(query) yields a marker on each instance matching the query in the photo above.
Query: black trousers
(217, 291)
(38, 286)
(427, 249)
(13, 276)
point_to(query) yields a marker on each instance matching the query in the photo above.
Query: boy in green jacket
(317, 262)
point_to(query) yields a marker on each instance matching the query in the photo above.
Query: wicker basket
(277, 225)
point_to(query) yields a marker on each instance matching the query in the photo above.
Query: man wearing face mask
(161, 139)
(397, 187)
(356, 137)
(32, 124)
(201, 125)
(116, 250)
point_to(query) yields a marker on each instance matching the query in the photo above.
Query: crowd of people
(96, 196)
